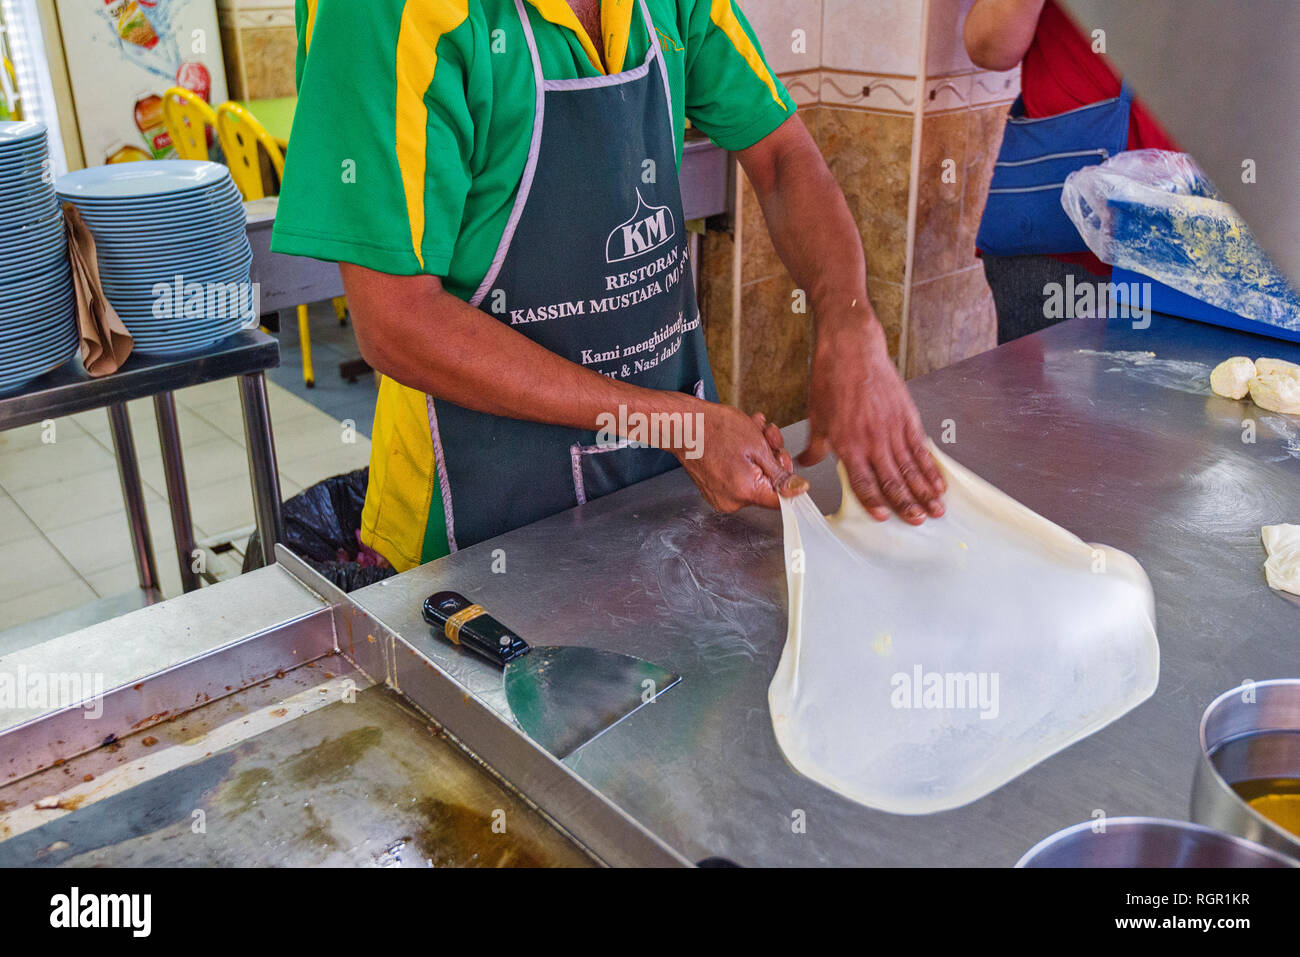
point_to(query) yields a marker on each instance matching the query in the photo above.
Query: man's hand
(859, 406)
(857, 403)
(743, 461)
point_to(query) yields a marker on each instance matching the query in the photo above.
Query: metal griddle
(267, 721)
(361, 782)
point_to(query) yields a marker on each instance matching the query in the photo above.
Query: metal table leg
(262, 469)
(128, 470)
(178, 494)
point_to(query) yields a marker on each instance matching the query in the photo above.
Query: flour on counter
(1183, 375)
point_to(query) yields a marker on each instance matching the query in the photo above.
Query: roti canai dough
(1282, 569)
(927, 666)
(1231, 377)
(1265, 366)
(1276, 386)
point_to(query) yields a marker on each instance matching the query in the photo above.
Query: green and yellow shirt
(409, 141)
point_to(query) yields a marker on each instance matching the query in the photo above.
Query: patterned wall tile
(940, 183)
(988, 87)
(775, 351)
(870, 156)
(890, 94)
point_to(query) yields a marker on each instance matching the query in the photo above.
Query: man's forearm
(858, 405)
(810, 224)
(423, 337)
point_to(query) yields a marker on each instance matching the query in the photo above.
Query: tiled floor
(63, 531)
(331, 343)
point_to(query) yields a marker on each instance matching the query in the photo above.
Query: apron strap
(656, 50)
(532, 49)
(530, 165)
(653, 48)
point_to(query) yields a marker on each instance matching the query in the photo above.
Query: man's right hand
(742, 461)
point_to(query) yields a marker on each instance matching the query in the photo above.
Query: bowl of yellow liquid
(1248, 777)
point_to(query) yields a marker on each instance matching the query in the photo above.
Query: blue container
(1171, 302)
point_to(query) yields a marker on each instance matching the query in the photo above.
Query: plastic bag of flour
(1155, 212)
(925, 667)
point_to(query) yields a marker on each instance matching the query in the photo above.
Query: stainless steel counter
(1081, 424)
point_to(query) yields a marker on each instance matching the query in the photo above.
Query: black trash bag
(320, 527)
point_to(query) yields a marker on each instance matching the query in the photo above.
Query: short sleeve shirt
(414, 117)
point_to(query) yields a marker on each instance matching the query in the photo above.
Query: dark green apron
(593, 266)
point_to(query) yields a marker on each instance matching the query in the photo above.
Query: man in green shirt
(498, 180)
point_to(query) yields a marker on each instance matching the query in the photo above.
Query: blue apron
(1023, 215)
(593, 266)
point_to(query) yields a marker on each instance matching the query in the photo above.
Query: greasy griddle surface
(366, 782)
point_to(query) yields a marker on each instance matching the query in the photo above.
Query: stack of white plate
(173, 252)
(38, 315)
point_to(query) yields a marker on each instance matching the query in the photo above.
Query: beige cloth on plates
(925, 667)
(105, 342)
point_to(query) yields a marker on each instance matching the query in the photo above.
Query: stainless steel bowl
(1149, 842)
(1247, 734)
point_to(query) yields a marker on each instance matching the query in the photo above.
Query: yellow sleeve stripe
(561, 14)
(724, 18)
(311, 23)
(424, 23)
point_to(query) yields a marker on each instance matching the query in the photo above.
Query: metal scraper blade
(565, 696)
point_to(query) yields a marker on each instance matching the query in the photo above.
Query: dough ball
(1281, 366)
(1230, 377)
(1282, 569)
(1276, 386)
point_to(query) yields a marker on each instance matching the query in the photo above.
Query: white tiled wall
(776, 22)
(945, 50)
(872, 36)
(866, 53)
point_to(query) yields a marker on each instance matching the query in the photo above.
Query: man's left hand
(859, 406)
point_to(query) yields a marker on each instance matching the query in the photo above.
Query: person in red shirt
(1059, 71)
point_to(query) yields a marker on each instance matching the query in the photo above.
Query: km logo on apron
(649, 228)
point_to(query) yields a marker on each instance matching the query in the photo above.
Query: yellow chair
(10, 106)
(242, 139)
(188, 118)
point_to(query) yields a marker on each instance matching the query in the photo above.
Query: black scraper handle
(467, 624)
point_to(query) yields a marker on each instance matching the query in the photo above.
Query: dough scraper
(563, 696)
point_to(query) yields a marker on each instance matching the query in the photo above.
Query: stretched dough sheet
(925, 667)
